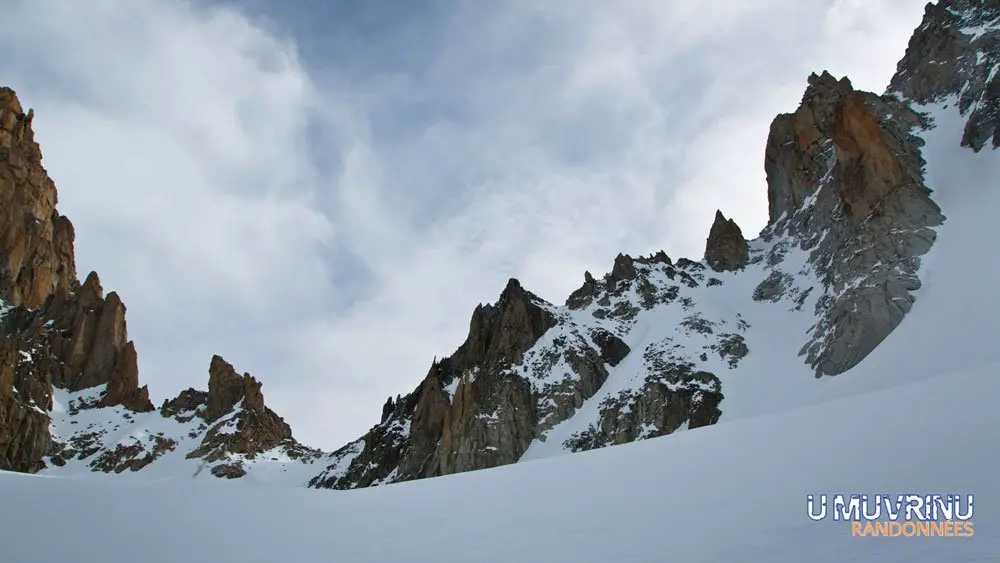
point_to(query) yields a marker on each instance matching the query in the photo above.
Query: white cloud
(332, 231)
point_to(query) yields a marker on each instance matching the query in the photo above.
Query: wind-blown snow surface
(917, 415)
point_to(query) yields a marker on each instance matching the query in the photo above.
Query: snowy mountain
(656, 346)
(876, 202)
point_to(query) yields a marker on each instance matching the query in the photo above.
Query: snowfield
(919, 415)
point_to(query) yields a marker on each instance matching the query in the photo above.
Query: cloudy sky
(321, 191)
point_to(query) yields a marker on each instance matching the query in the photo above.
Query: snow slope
(730, 492)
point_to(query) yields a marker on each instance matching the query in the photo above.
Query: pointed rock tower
(726, 249)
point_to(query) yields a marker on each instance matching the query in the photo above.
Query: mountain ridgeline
(653, 347)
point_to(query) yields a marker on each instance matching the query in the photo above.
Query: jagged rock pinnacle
(623, 269)
(504, 331)
(726, 249)
(226, 388)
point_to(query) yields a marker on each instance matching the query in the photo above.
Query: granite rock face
(955, 54)
(845, 178)
(845, 182)
(37, 242)
(56, 331)
(471, 411)
(673, 395)
(224, 432)
(24, 425)
(726, 249)
(249, 428)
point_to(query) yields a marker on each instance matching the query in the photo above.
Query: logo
(906, 515)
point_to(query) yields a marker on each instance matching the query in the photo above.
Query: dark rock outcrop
(472, 411)
(132, 457)
(387, 409)
(585, 295)
(625, 273)
(249, 428)
(500, 334)
(123, 388)
(185, 405)
(24, 425)
(491, 418)
(613, 349)
(90, 340)
(726, 249)
(226, 389)
(622, 271)
(674, 394)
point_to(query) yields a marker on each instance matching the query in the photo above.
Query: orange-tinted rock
(36, 243)
(867, 168)
(851, 190)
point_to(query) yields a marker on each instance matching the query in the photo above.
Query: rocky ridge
(850, 218)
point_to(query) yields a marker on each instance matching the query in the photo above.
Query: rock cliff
(845, 183)
(55, 332)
